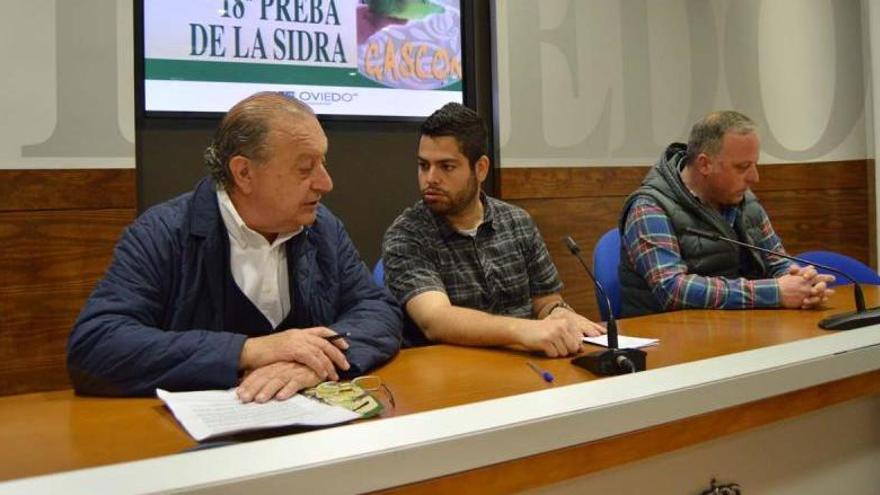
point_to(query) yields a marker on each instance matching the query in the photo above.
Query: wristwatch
(558, 304)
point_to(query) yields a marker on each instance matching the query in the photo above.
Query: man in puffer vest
(706, 185)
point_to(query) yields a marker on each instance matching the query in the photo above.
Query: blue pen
(546, 375)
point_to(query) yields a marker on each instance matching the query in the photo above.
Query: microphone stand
(861, 317)
(611, 361)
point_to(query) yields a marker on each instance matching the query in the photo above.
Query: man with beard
(247, 281)
(468, 268)
(706, 185)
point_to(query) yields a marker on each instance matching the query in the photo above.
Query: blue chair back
(863, 273)
(606, 257)
(379, 273)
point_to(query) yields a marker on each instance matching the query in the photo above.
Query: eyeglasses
(356, 395)
(373, 383)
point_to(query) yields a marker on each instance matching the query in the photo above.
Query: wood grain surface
(57, 232)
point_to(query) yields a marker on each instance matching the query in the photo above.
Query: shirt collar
(447, 230)
(243, 235)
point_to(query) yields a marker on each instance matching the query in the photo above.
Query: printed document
(623, 342)
(219, 412)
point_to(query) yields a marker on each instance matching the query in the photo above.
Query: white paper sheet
(623, 342)
(217, 412)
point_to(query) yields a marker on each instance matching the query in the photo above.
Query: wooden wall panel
(574, 182)
(56, 247)
(813, 206)
(836, 220)
(57, 232)
(585, 182)
(35, 324)
(66, 189)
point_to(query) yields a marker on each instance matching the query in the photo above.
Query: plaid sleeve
(409, 269)
(776, 265)
(653, 250)
(543, 276)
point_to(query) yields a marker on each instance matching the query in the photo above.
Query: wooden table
(57, 431)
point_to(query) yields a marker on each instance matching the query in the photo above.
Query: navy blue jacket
(156, 319)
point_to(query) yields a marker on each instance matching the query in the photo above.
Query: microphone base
(611, 361)
(850, 321)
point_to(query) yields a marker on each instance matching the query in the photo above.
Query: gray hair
(244, 131)
(708, 133)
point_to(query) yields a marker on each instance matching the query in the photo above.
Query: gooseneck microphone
(859, 318)
(612, 361)
(611, 324)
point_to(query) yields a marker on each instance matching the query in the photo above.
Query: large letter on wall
(641, 90)
(704, 60)
(87, 122)
(638, 134)
(526, 41)
(744, 82)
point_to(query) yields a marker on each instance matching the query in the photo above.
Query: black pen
(337, 336)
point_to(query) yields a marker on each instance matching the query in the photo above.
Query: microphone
(611, 361)
(859, 318)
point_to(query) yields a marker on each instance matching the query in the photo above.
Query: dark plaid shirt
(498, 271)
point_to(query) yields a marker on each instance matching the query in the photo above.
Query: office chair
(606, 257)
(863, 273)
(379, 273)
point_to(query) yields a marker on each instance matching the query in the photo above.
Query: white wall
(574, 91)
(591, 82)
(67, 92)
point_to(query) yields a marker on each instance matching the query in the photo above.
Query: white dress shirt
(258, 267)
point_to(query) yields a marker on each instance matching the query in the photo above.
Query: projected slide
(393, 58)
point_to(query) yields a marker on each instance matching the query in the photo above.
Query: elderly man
(470, 269)
(244, 281)
(706, 185)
